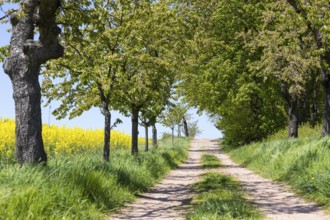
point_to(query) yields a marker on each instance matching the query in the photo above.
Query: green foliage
(174, 115)
(221, 197)
(4, 52)
(218, 79)
(83, 187)
(166, 135)
(115, 55)
(210, 161)
(287, 47)
(193, 129)
(303, 163)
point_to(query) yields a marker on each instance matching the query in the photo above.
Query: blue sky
(91, 119)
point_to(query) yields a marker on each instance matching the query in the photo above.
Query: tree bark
(179, 131)
(172, 134)
(107, 131)
(23, 68)
(185, 127)
(154, 136)
(135, 129)
(326, 86)
(293, 119)
(326, 121)
(314, 108)
(147, 137)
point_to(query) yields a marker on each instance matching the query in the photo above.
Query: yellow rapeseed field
(62, 140)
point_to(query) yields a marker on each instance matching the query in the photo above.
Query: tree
(116, 59)
(185, 126)
(148, 75)
(97, 42)
(168, 120)
(154, 136)
(146, 92)
(217, 77)
(193, 129)
(287, 49)
(150, 114)
(23, 67)
(173, 116)
(146, 124)
(316, 19)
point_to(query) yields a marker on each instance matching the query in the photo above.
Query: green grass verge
(210, 161)
(304, 131)
(83, 186)
(303, 163)
(221, 197)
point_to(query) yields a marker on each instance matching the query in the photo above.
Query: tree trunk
(313, 99)
(107, 131)
(185, 127)
(292, 111)
(179, 131)
(29, 144)
(293, 119)
(326, 86)
(135, 130)
(147, 137)
(23, 67)
(326, 122)
(172, 134)
(154, 136)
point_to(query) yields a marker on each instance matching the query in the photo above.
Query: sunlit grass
(221, 197)
(210, 161)
(303, 163)
(83, 186)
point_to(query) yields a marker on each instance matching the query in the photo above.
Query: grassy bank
(220, 196)
(303, 163)
(82, 186)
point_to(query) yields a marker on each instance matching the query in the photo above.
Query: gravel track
(170, 199)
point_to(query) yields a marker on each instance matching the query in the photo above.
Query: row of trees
(118, 56)
(253, 66)
(257, 66)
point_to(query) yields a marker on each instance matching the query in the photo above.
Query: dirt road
(170, 199)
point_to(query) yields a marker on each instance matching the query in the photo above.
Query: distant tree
(168, 120)
(23, 65)
(154, 136)
(173, 116)
(185, 126)
(193, 129)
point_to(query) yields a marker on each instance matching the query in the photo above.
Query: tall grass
(83, 186)
(303, 163)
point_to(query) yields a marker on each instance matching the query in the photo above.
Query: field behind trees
(63, 140)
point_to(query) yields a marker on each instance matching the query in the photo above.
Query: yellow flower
(63, 140)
